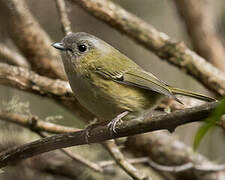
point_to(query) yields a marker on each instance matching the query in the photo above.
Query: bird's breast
(106, 98)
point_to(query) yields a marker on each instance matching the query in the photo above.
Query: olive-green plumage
(107, 82)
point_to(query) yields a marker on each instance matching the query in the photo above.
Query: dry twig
(64, 19)
(122, 162)
(187, 166)
(34, 123)
(89, 164)
(104, 164)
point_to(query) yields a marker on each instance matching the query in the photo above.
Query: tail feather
(191, 94)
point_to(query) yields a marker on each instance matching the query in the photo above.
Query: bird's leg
(112, 124)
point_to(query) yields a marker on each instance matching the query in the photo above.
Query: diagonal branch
(101, 133)
(13, 57)
(162, 45)
(201, 30)
(32, 40)
(72, 155)
(113, 149)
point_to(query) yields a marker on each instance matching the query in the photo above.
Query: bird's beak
(59, 46)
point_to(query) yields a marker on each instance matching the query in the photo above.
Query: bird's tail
(191, 94)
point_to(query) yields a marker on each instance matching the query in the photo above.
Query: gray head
(80, 43)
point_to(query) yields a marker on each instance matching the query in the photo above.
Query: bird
(109, 84)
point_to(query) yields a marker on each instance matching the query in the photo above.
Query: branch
(38, 126)
(34, 123)
(53, 164)
(32, 40)
(25, 79)
(101, 133)
(13, 57)
(201, 30)
(64, 19)
(163, 148)
(162, 45)
(122, 162)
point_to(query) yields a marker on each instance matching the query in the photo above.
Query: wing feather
(139, 78)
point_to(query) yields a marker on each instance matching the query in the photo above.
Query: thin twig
(64, 19)
(13, 57)
(122, 162)
(101, 133)
(187, 166)
(105, 164)
(176, 169)
(76, 157)
(93, 166)
(161, 44)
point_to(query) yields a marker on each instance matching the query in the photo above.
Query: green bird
(108, 83)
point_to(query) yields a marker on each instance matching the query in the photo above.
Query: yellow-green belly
(106, 98)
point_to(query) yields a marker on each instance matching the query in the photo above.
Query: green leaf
(210, 122)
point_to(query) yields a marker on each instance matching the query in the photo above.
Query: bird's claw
(112, 124)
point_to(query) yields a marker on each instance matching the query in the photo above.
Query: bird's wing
(139, 78)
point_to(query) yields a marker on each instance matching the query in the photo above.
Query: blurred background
(162, 14)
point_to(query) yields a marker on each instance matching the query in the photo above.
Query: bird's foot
(112, 124)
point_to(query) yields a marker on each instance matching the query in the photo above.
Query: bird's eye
(82, 48)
